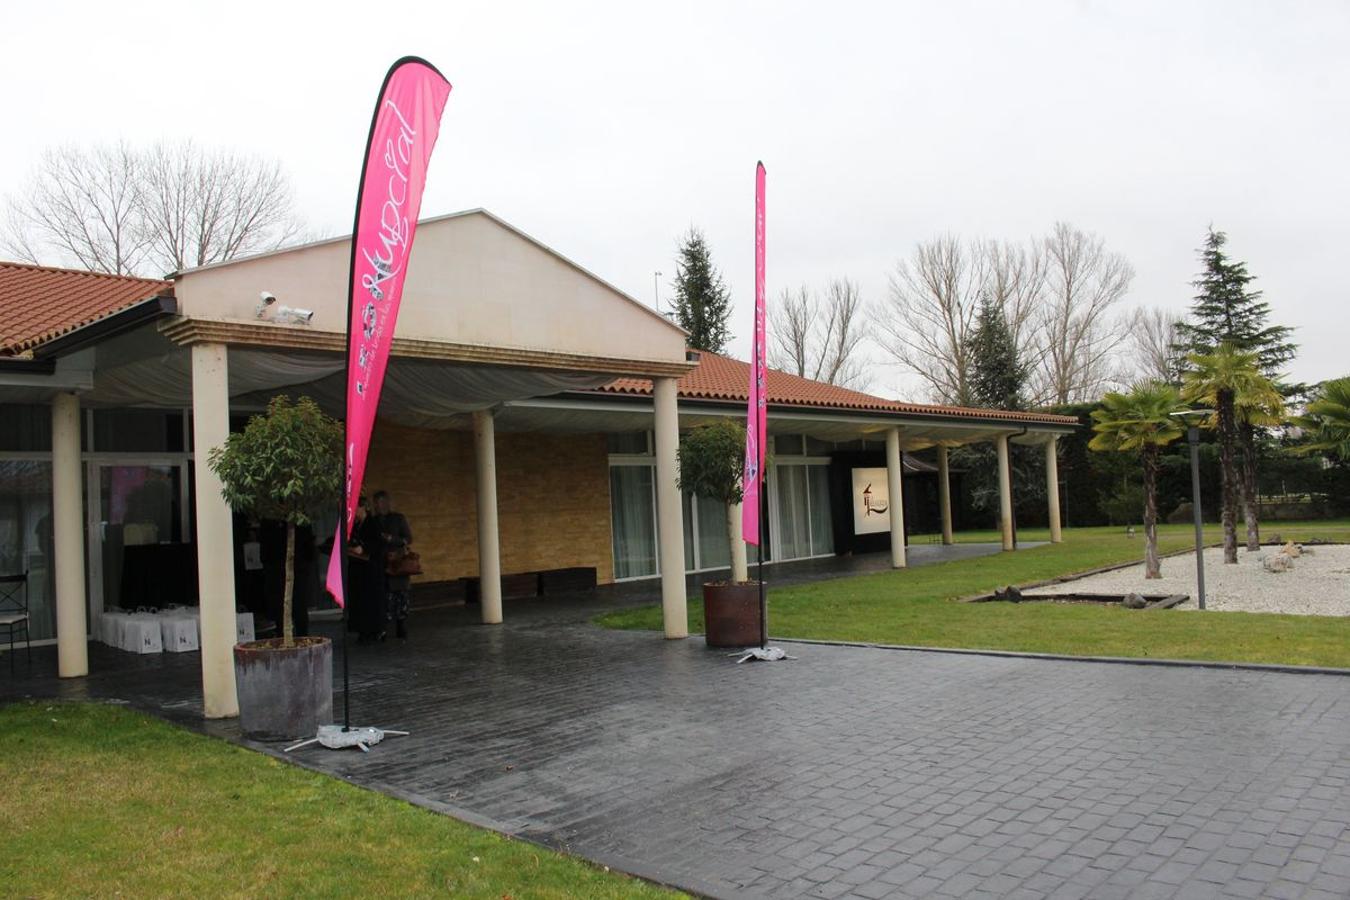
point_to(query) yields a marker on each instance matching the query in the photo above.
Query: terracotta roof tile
(38, 303)
(720, 377)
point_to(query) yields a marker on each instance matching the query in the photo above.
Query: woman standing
(365, 576)
(397, 537)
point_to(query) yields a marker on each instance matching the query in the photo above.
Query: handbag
(402, 562)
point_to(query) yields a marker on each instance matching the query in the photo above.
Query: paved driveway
(847, 772)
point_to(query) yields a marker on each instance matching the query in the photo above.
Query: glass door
(141, 555)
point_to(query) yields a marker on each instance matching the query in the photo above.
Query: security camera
(265, 300)
(286, 315)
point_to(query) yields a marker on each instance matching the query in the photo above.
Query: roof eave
(125, 319)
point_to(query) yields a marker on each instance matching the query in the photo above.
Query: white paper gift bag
(178, 630)
(244, 627)
(110, 627)
(141, 634)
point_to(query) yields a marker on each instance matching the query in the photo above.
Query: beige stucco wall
(553, 498)
(471, 279)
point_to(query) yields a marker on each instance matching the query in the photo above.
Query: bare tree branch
(114, 208)
(929, 313)
(81, 207)
(1079, 330)
(820, 338)
(1153, 332)
(203, 207)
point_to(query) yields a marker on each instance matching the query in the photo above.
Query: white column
(215, 531)
(896, 497)
(739, 569)
(945, 495)
(669, 512)
(489, 547)
(1004, 492)
(1052, 489)
(72, 624)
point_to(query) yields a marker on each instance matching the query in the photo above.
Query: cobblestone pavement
(848, 772)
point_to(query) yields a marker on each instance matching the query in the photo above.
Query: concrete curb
(1118, 660)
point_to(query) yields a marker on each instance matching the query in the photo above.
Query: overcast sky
(606, 129)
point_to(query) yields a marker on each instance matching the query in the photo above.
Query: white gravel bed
(1319, 584)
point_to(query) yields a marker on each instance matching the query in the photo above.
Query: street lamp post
(1192, 417)
(656, 290)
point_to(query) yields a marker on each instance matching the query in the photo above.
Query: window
(632, 501)
(137, 431)
(629, 443)
(801, 512)
(26, 428)
(26, 537)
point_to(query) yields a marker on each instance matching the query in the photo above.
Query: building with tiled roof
(41, 303)
(719, 377)
(515, 373)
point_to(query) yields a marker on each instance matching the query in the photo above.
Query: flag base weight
(336, 737)
(762, 654)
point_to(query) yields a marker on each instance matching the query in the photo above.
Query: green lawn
(919, 607)
(103, 801)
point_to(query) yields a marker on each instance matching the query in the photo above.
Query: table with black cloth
(159, 575)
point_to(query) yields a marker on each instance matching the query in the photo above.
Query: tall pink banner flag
(756, 422)
(402, 134)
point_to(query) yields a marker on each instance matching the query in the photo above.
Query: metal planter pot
(731, 614)
(285, 693)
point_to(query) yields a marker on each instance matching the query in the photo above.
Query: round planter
(285, 693)
(731, 614)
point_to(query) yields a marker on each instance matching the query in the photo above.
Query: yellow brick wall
(552, 498)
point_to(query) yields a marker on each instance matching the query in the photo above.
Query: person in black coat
(365, 577)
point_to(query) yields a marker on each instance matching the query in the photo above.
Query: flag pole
(763, 603)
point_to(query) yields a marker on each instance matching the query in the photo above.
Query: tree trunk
(1228, 469)
(1250, 512)
(1152, 565)
(288, 594)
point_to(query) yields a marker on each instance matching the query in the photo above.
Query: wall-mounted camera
(281, 315)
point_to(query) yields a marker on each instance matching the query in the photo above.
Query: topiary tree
(1142, 421)
(285, 465)
(711, 460)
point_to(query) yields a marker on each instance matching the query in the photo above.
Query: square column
(669, 511)
(489, 547)
(895, 501)
(1052, 489)
(945, 495)
(72, 621)
(1004, 492)
(215, 531)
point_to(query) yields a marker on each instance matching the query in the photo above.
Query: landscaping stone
(1278, 562)
(1134, 601)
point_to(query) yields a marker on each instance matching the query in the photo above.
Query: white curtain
(632, 505)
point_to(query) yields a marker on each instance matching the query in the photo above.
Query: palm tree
(1327, 420)
(1217, 380)
(1263, 409)
(1141, 420)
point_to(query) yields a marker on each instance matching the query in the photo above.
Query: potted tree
(711, 460)
(286, 466)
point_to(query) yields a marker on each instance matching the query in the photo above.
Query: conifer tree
(997, 376)
(1226, 310)
(702, 302)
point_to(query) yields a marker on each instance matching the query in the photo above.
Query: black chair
(14, 612)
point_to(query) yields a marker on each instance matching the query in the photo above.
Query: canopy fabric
(144, 369)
